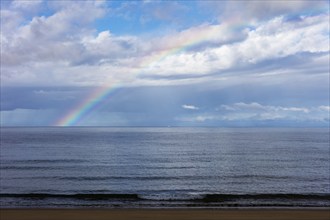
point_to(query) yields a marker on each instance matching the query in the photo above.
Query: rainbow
(91, 102)
(94, 99)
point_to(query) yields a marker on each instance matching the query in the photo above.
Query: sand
(162, 214)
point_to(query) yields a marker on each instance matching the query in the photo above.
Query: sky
(227, 63)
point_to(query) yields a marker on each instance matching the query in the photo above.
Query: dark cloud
(40, 97)
(162, 106)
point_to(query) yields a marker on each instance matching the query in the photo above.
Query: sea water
(164, 167)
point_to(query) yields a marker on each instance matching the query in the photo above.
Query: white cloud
(272, 40)
(254, 106)
(324, 108)
(26, 5)
(242, 105)
(191, 107)
(257, 112)
(198, 118)
(64, 49)
(54, 38)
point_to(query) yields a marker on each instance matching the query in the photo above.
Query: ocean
(160, 167)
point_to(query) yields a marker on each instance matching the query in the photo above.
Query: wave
(160, 201)
(281, 196)
(71, 196)
(63, 165)
(43, 161)
(238, 179)
(200, 198)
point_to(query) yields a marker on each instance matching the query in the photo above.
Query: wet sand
(164, 214)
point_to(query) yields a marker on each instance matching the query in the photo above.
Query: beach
(162, 214)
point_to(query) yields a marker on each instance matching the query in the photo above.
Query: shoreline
(162, 214)
(142, 201)
(174, 208)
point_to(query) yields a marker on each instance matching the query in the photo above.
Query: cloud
(49, 39)
(324, 108)
(190, 107)
(254, 10)
(165, 105)
(256, 112)
(272, 40)
(65, 48)
(254, 106)
(27, 117)
(240, 57)
(198, 118)
(41, 97)
(26, 6)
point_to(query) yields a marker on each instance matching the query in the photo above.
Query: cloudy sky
(165, 63)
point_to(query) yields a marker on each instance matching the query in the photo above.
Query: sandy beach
(162, 214)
